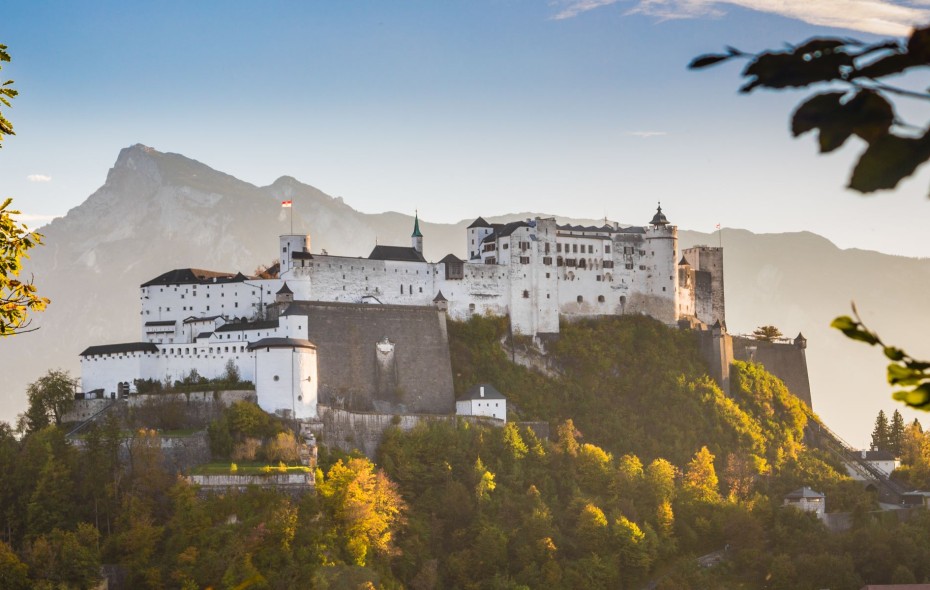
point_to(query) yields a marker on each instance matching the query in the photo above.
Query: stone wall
(364, 430)
(180, 453)
(785, 360)
(291, 483)
(199, 407)
(348, 338)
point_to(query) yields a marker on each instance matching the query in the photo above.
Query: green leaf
(844, 323)
(887, 161)
(894, 354)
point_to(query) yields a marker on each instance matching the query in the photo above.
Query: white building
(482, 400)
(807, 500)
(533, 271)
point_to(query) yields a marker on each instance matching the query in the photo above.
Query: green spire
(416, 226)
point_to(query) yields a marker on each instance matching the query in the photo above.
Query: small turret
(416, 238)
(284, 294)
(659, 219)
(800, 341)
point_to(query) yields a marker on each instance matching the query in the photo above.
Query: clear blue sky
(457, 108)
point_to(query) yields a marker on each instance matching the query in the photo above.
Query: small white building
(881, 460)
(482, 400)
(807, 500)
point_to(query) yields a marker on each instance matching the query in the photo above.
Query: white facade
(482, 400)
(533, 271)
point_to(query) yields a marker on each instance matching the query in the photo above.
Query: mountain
(158, 211)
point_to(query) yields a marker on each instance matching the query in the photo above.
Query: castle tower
(286, 376)
(293, 246)
(661, 261)
(416, 238)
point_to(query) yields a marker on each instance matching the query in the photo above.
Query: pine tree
(881, 433)
(896, 433)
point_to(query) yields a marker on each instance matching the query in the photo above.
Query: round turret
(659, 219)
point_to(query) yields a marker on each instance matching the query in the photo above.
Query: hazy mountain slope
(158, 211)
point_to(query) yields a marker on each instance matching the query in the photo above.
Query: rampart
(290, 483)
(198, 407)
(364, 431)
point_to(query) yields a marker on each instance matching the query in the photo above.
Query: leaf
(894, 354)
(887, 161)
(707, 60)
(818, 60)
(813, 112)
(844, 323)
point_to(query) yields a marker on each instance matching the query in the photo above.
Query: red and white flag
(286, 204)
(718, 225)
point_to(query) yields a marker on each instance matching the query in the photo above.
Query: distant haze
(159, 211)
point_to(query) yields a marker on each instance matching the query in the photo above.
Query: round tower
(286, 376)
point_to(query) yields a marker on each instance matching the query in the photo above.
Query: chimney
(482, 391)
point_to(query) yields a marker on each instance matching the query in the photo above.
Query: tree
(862, 107)
(880, 434)
(6, 93)
(13, 572)
(766, 333)
(50, 398)
(700, 478)
(896, 434)
(17, 298)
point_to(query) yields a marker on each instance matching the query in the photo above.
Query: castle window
(642, 252)
(629, 266)
(524, 260)
(599, 278)
(471, 307)
(558, 246)
(590, 249)
(600, 299)
(547, 247)
(421, 289)
(608, 264)
(276, 378)
(606, 248)
(580, 299)
(410, 289)
(526, 294)
(506, 246)
(547, 275)
(642, 267)
(558, 261)
(401, 289)
(663, 288)
(574, 248)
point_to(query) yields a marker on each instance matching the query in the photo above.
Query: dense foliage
(649, 475)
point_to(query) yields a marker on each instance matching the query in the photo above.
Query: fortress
(369, 334)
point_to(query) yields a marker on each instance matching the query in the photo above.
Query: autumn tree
(17, 298)
(700, 478)
(365, 507)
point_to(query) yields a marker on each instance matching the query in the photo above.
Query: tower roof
(684, 262)
(285, 290)
(416, 226)
(439, 297)
(480, 222)
(659, 218)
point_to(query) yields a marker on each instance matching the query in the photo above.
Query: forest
(650, 476)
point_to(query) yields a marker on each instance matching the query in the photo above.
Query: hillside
(648, 467)
(157, 211)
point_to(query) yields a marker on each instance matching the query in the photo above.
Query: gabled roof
(802, 493)
(120, 348)
(879, 456)
(451, 258)
(489, 393)
(398, 253)
(480, 222)
(684, 262)
(300, 256)
(240, 326)
(195, 276)
(282, 343)
(194, 319)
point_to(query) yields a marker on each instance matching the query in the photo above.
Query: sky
(580, 108)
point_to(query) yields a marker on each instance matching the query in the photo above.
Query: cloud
(647, 134)
(882, 17)
(39, 178)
